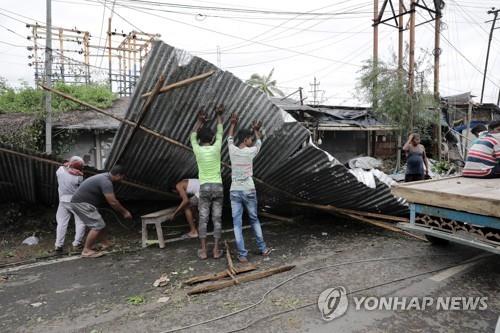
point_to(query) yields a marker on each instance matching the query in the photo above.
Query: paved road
(90, 295)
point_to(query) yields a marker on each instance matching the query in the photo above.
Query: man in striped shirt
(483, 158)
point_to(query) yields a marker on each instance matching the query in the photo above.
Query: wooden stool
(156, 218)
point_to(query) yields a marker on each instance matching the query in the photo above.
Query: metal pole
(400, 41)
(48, 80)
(375, 52)
(411, 70)
(495, 13)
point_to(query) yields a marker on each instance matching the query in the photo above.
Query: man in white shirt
(242, 191)
(69, 177)
(186, 188)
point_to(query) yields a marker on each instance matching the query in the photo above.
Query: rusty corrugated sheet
(287, 167)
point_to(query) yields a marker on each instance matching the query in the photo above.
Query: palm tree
(265, 83)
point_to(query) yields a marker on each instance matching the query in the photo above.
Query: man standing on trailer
(483, 157)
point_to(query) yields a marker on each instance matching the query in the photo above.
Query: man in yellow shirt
(208, 158)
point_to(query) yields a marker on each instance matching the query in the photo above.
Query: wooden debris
(181, 83)
(162, 281)
(276, 217)
(346, 211)
(220, 275)
(245, 278)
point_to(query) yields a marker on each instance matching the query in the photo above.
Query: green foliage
(30, 100)
(380, 84)
(136, 300)
(265, 83)
(443, 167)
(25, 99)
(28, 136)
(94, 94)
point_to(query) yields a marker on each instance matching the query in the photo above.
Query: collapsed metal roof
(289, 167)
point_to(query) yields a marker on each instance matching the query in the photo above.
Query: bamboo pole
(220, 275)
(245, 278)
(276, 217)
(359, 216)
(351, 211)
(182, 83)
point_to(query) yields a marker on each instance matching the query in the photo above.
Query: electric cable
(263, 297)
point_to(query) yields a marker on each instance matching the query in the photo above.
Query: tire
(436, 241)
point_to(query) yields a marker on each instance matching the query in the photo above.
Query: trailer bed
(457, 209)
(478, 196)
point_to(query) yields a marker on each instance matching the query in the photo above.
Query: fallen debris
(162, 281)
(32, 240)
(220, 275)
(37, 304)
(163, 300)
(245, 278)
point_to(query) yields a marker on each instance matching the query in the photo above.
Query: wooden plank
(220, 275)
(159, 213)
(245, 278)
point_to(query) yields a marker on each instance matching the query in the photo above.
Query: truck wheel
(437, 241)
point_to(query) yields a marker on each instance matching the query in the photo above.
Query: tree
(265, 83)
(382, 86)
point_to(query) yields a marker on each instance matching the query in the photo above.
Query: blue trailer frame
(469, 220)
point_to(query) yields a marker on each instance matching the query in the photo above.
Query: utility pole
(314, 91)
(219, 63)
(437, 53)
(300, 95)
(375, 51)
(411, 69)
(375, 32)
(400, 40)
(495, 14)
(110, 75)
(48, 80)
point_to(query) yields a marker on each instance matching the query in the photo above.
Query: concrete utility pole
(495, 14)
(110, 75)
(375, 32)
(219, 61)
(48, 80)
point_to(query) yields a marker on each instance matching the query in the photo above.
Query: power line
(234, 36)
(224, 9)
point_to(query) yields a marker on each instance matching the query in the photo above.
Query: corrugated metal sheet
(27, 179)
(31, 177)
(288, 166)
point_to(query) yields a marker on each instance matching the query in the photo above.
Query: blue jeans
(249, 200)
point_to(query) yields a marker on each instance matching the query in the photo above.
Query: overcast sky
(330, 44)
